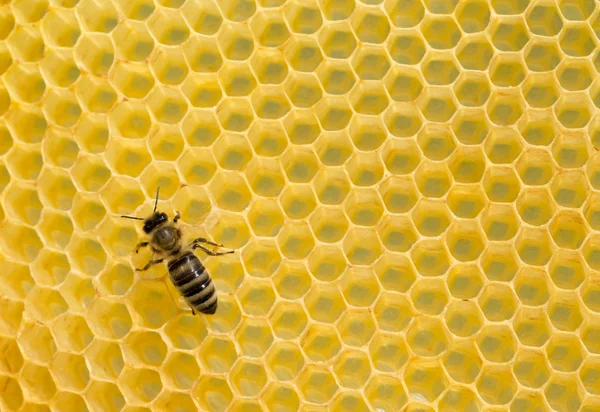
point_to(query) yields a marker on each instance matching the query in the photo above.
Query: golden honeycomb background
(412, 188)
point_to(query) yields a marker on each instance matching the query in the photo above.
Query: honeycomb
(412, 188)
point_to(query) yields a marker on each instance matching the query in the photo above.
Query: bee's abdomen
(192, 280)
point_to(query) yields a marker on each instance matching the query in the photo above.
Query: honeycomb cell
(37, 383)
(317, 384)
(356, 327)
(496, 385)
(389, 352)
(499, 222)
(370, 63)
(212, 393)
(577, 40)
(427, 336)
(301, 126)
(497, 343)
(36, 343)
(588, 374)
(426, 378)
(70, 371)
(465, 241)
(532, 327)
(27, 43)
(472, 89)
(248, 377)
(106, 395)
(564, 391)
(407, 48)
(433, 26)
(465, 281)
(324, 302)
(437, 103)
(25, 82)
(12, 316)
(429, 296)
(140, 386)
(320, 343)
(564, 312)
(12, 359)
(393, 312)
(431, 217)
(66, 401)
(385, 392)
(95, 52)
(401, 156)
(564, 353)
(466, 201)
(433, 179)
(463, 318)
(303, 17)
(279, 395)
(301, 88)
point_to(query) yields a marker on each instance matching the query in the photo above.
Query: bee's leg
(210, 252)
(193, 311)
(177, 217)
(203, 240)
(151, 263)
(140, 245)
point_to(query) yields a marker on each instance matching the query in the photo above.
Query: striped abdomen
(192, 280)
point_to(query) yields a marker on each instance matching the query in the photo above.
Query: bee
(187, 273)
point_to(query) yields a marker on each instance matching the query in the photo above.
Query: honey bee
(187, 273)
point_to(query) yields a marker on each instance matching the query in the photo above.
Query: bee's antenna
(132, 217)
(156, 202)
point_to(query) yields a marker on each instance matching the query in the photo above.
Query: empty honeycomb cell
(404, 85)
(362, 246)
(23, 203)
(109, 319)
(430, 257)
(181, 370)
(499, 222)
(385, 392)
(577, 40)
(574, 110)
(437, 103)
(212, 393)
(570, 189)
(317, 384)
(426, 379)
(61, 108)
(27, 123)
(433, 179)
(169, 399)
(462, 361)
(568, 230)
(105, 359)
(505, 107)
(498, 303)
(78, 292)
(356, 327)
(431, 217)
(496, 385)
(503, 145)
(267, 138)
(254, 337)
(95, 52)
(465, 281)
(66, 401)
(152, 303)
(231, 230)
(570, 150)
(427, 336)
(532, 327)
(531, 368)
(463, 318)
(285, 360)
(541, 56)
(217, 354)
(320, 343)
(564, 312)
(27, 43)
(588, 375)
(269, 28)
(37, 383)
(105, 395)
(429, 296)
(134, 80)
(393, 312)
(501, 184)
(11, 359)
(324, 302)
(401, 156)
(497, 343)
(202, 17)
(499, 262)
(292, 280)
(388, 352)
(472, 89)
(248, 377)
(61, 28)
(507, 70)
(535, 206)
(168, 27)
(534, 246)
(279, 395)
(17, 280)
(326, 263)
(288, 320)
(70, 371)
(371, 25)
(564, 391)
(465, 241)
(140, 386)
(466, 201)
(370, 63)
(302, 126)
(132, 40)
(564, 353)
(12, 315)
(574, 74)
(36, 342)
(25, 83)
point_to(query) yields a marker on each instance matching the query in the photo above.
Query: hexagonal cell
(285, 360)
(465, 241)
(106, 395)
(326, 263)
(427, 336)
(574, 110)
(431, 217)
(532, 286)
(256, 297)
(404, 85)
(433, 26)
(369, 98)
(336, 76)
(426, 378)
(431, 257)
(254, 337)
(535, 206)
(388, 352)
(109, 319)
(324, 302)
(301, 126)
(407, 47)
(433, 179)
(499, 222)
(386, 392)
(70, 371)
(429, 296)
(181, 370)
(393, 312)
(564, 353)
(212, 392)
(317, 384)
(531, 368)
(66, 401)
(577, 40)
(230, 191)
(465, 281)
(302, 89)
(403, 119)
(401, 156)
(497, 301)
(288, 320)
(11, 360)
(36, 342)
(269, 28)
(320, 343)
(466, 201)
(265, 177)
(534, 246)
(356, 327)
(496, 384)
(37, 383)
(497, 343)
(362, 246)
(501, 184)
(140, 386)
(248, 377)
(462, 361)
(472, 89)
(463, 318)
(532, 327)
(505, 107)
(588, 374)
(437, 103)
(564, 312)
(540, 90)
(568, 230)
(570, 189)
(564, 391)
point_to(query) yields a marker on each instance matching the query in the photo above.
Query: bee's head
(154, 221)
